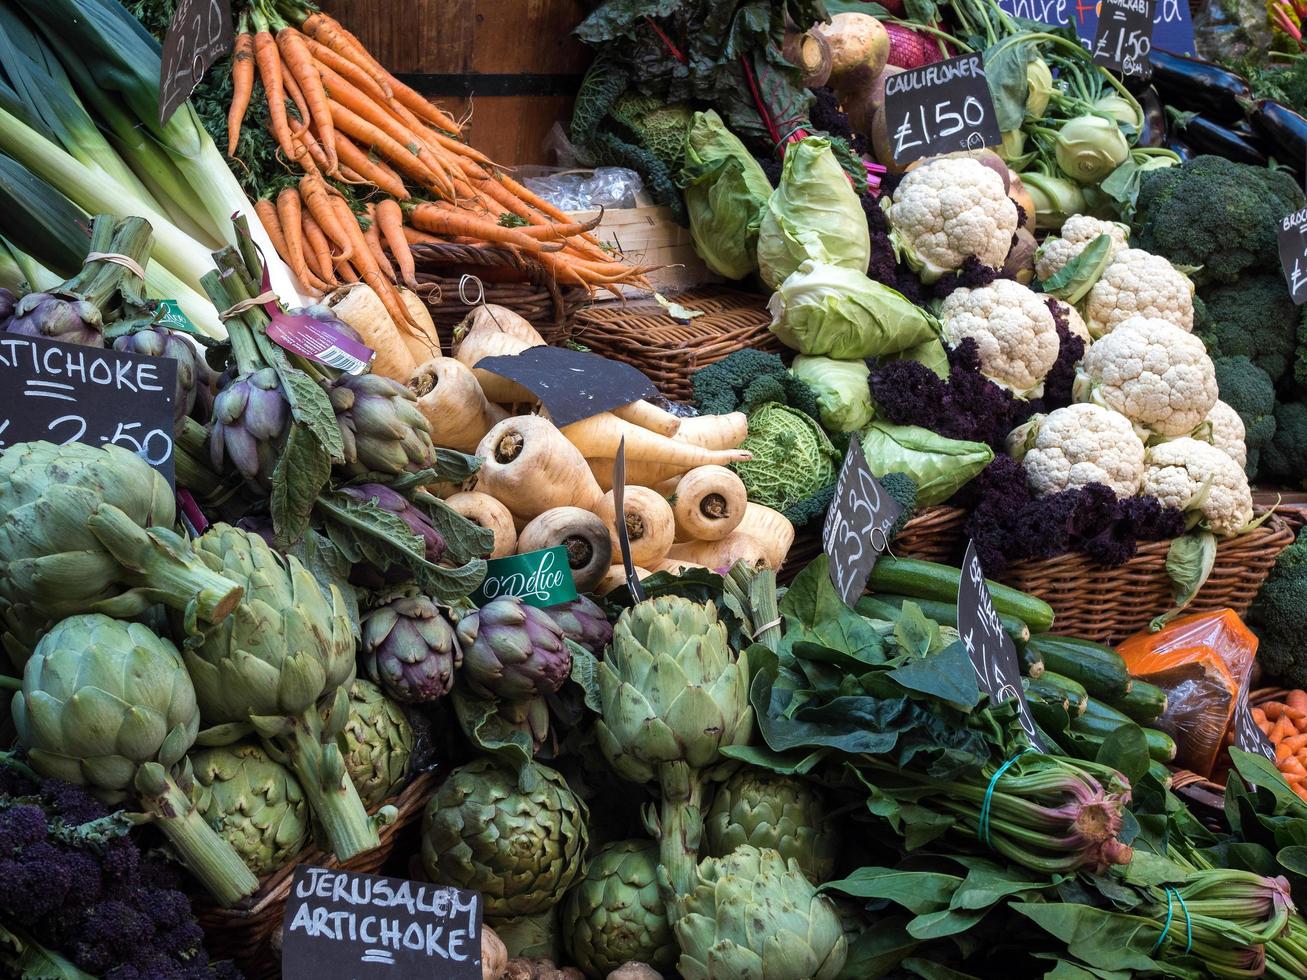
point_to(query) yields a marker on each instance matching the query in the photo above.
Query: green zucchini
(1144, 702)
(1100, 669)
(928, 580)
(1050, 708)
(1032, 664)
(1073, 691)
(946, 614)
(1160, 772)
(1100, 720)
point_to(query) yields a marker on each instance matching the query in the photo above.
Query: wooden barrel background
(513, 63)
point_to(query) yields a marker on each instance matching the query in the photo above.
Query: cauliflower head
(1074, 321)
(1138, 283)
(1012, 326)
(948, 209)
(1080, 444)
(1224, 429)
(1077, 232)
(1201, 480)
(1152, 372)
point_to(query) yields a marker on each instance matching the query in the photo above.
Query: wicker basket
(1109, 604)
(506, 278)
(933, 535)
(244, 934)
(643, 335)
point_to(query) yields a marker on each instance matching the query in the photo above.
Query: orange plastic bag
(1200, 661)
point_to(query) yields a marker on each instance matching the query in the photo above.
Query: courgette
(1100, 669)
(1160, 773)
(1144, 702)
(929, 580)
(946, 614)
(1100, 720)
(1055, 685)
(1051, 709)
(1032, 664)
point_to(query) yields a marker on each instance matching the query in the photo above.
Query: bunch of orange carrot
(1285, 724)
(355, 123)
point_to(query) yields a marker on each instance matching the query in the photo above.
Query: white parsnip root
(709, 504)
(530, 467)
(650, 526)
(582, 533)
(485, 511)
(450, 397)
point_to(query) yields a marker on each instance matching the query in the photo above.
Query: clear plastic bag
(1200, 661)
(588, 190)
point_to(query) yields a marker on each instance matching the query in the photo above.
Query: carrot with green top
(366, 134)
(457, 222)
(268, 217)
(242, 87)
(342, 66)
(319, 200)
(372, 235)
(371, 170)
(303, 70)
(318, 253)
(268, 59)
(369, 270)
(390, 222)
(292, 227)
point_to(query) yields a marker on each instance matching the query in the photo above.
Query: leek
(11, 276)
(36, 277)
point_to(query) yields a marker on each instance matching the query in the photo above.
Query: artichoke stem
(210, 858)
(169, 570)
(339, 810)
(680, 826)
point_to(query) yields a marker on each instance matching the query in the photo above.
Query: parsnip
(424, 342)
(649, 416)
(710, 503)
(714, 431)
(616, 578)
(582, 533)
(531, 467)
(599, 436)
(451, 399)
(770, 527)
(491, 331)
(361, 308)
(721, 555)
(676, 565)
(485, 511)
(650, 526)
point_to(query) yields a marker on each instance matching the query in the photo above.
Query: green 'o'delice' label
(538, 578)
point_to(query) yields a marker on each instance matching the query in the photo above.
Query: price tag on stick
(856, 531)
(940, 108)
(343, 925)
(572, 384)
(992, 651)
(1291, 237)
(199, 33)
(619, 512)
(1124, 36)
(65, 393)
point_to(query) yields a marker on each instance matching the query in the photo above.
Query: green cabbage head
(814, 214)
(725, 193)
(825, 309)
(939, 466)
(792, 457)
(842, 390)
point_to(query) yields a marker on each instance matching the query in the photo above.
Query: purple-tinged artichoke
(73, 321)
(251, 419)
(529, 717)
(162, 342)
(410, 649)
(8, 300)
(513, 651)
(371, 577)
(583, 622)
(381, 425)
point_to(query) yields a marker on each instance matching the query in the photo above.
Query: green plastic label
(170, 315)
(538, 578)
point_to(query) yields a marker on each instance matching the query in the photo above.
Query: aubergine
(1153, 131)
(1206, 136)
(1199, 86)
(1180, 148)
(1285, 132)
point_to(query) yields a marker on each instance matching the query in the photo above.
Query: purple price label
(317, 341)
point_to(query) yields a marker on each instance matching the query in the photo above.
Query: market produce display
(398, 604)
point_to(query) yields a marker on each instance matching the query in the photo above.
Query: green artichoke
(285, 651)
(531, 937)
(750, 915)
(383, 429)
(377, 742)
(520, 841)
(108, 705)
(512, 651)
(254, 802)
(777, 812)
(90, 530)
(409, 649)
(672, 693)
(616, 914)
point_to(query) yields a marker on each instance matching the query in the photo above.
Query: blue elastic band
(1166, 926)
(982, 825)
(1170, 912)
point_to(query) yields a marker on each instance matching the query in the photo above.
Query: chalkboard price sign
(857, 525)
(992, 652)
(69, 393)
(572, 384)
(342, 925)
(1292, 239)
(1124, 36)
(199, 33)
(940, 108)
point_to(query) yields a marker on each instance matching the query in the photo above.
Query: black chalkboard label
(65, 393)
(199, 34)
(619, 519)
(342, 925)
(992, 652)
(572, 384)
(1247, 735)
(1124, 36)
(857, 525)
(940, 108)
(1292, 239)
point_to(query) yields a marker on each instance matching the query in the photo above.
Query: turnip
(859, 49)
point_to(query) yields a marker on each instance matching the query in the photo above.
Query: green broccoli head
(1300, 354)
(1278, 613)
(1255, 317)
(1249, 391)
(746, 379)
(1214, 213)
(1285, 458)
